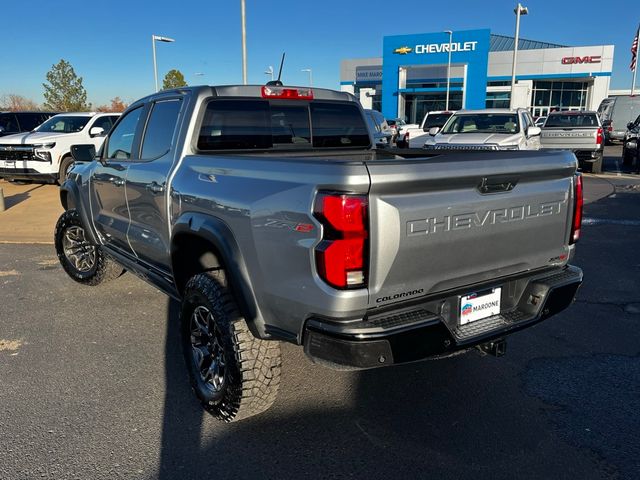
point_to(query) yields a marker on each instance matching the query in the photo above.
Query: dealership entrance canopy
(411, 77)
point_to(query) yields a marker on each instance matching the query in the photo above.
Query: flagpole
(635, 70)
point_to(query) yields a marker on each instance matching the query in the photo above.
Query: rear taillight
(599, 136)
(610, 128)
(577, 210)
(269, 91)
(342, 255)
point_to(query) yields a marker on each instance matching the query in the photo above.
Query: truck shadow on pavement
(462, 417)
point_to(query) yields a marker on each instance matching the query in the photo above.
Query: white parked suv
(491, 129)
(45, 153)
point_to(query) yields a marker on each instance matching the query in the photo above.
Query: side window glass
(8, 122)
(161, 126)
(105, 123)
(29, 121)
(121, 139)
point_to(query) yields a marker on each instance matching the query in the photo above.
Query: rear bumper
(420, 331)
(588, 156)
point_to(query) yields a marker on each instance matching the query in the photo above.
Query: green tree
(64, 91)
(173, 79)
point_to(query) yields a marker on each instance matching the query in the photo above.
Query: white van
(616, 112)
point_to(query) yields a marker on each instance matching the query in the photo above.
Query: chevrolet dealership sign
(444, 47)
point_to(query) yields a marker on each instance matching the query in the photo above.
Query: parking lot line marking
(9, 273)
(609, 221)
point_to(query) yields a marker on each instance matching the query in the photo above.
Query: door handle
(117, 181)
(154, 187)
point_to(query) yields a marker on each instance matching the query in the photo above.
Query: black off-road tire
(252, 366)
(101, 270)
(65, 165)
(596, 167)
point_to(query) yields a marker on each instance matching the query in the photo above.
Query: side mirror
(533, 131)
(96, 132)
(630, 125)
(433, 131)
(83, 153)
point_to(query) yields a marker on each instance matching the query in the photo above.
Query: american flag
(634, 51)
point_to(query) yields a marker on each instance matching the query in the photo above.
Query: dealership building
(411, 77)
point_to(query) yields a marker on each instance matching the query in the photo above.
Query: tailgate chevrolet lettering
(485, 218)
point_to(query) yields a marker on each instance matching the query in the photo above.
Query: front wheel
(233, 374)
(83, 261)
(66, 164)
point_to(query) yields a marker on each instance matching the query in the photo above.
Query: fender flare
(70, 198)
(217, 233)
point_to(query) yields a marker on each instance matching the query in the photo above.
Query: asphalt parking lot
(94, 387)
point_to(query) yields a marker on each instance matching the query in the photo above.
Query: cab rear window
(255, 124)
(572, 120)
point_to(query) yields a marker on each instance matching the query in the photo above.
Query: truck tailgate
(569, 138)
(458, 219)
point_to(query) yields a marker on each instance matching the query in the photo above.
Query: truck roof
(574, 112)
(490, 111)
(252, 91)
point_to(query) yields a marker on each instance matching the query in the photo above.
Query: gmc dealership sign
(579, 60)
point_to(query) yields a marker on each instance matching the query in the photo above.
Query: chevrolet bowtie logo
(403, 50)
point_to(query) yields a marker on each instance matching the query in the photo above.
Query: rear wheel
(233, 374)
(83, 261)
(596, 167)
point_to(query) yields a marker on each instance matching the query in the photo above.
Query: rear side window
(161, 127)
(104, 123)
(572, 120)
(233, 124)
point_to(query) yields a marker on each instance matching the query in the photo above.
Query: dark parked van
(616, 113)
(17, 122)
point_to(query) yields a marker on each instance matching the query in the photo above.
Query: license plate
(479, 305)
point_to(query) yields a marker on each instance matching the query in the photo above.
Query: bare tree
(16, 103)
(117, 105)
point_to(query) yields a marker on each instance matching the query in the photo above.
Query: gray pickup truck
(579, 131)
(267, 212)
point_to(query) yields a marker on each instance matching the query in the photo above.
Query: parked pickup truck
(415, 136)
(490, 129)
(579, 131)
(44, 154)
(268, 213)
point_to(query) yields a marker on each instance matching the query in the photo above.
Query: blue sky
(109, 43)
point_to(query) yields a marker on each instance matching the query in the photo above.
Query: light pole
(158, 38)
(448, 69)
(269, 71)
(519, 10)
(310, 75)
(243, 18)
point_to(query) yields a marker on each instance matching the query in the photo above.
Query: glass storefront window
(562, 95)
(418, 104)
